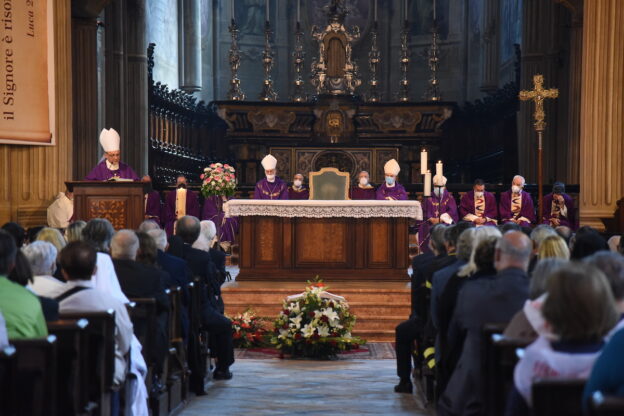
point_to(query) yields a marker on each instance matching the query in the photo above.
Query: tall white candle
(434, 10)
(233, 17)
(298, 10)
(375, 10)
(404, 9)
(427, 183)
(439, 171)
(266, 4)
(423, 161)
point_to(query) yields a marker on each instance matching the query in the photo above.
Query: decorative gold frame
(347, 180)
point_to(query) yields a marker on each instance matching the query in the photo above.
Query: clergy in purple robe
(227, 228)
(558, 208)
(479, 206)
(298, 190)
(439, 208)
(363, 190)
(270, 187)
(516, 205)
(153, 205)
(391, 189)
(179, 203)
(111, 167)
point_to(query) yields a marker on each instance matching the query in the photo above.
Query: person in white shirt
(61, 210)
(41, 256)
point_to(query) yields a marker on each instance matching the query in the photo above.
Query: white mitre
(392, 167)
(439, 180)
(109, 139)
(269, 162)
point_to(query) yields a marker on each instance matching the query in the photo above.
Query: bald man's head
(188, 229)
(513, 250)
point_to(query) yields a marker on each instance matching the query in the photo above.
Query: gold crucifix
(538, 94)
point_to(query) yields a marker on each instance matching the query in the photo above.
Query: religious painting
(358, 15)
(251, 16)
(24, 72)
(511, 27)
(420, 17)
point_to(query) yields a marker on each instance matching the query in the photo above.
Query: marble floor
(297, 387)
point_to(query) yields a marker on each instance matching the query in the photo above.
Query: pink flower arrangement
(218, 179)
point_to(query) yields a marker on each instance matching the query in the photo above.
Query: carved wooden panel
(321, 242)
(380, 243)
(113, 209)
(267, 232)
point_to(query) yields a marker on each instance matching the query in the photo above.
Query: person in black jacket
(138, 281)
(219, 326)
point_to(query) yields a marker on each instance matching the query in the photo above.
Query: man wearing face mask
(558, 208)
(110, 168)
(152, 204)
(516, 205)
(363, 189)
(479, 206)
(298, 190)
(270, 187)
(391, 189)
(440, 208)
(180, 203)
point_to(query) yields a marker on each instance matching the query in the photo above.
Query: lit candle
(434, 10)
(439, 168)
(232, 10)
(266, 4)
(375, 10)
(428, 183)
(298, 10)
(423, 161)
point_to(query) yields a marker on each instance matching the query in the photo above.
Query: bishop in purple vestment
(479, 206)
(516, 205)
(111, 167)
(363, 190)
(179, 203)
(227, 228)
(298, 190)
(270, 187)
(558, 208)
(440, 207)
(391, 189)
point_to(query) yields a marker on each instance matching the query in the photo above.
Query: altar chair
(329, 184)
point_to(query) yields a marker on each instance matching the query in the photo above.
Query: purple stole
(509, 204)
(227, 228)
(435, 207)
(469, 208)
(396, 192)
(267, 190)
(302, 193)
(550, 211)
(101, 172)
(358, 193)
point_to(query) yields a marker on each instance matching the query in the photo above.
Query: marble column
(189, 35)
(491, 51)
(602, 111)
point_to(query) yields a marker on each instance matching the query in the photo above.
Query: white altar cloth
(323, 209)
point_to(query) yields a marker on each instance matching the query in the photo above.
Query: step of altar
(378, 306)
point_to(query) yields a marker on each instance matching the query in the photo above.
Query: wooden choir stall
(338, 240)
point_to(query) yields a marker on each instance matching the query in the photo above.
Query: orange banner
(24, 104)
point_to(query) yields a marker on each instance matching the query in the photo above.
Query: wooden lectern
(122, 203)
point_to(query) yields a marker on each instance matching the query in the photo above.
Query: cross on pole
(538, 94)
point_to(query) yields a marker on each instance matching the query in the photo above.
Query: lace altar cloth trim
(323, 209)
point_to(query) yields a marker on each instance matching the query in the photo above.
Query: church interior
(442, 177)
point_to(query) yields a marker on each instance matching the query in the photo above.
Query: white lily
(323, 331)
(296, 321)
(307, 331)
(330, 314)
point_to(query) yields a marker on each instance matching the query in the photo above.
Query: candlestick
(434, 10)
(266, 4)
(423, 162)
(439, 168)
(232, 7)
(404, 9)
(375, 11)
(267, 93)
(235, 93)
(427, 190)
(299, 95)
(298, 10)
(404, 60)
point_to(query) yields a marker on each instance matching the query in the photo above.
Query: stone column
(491, 53)
(190, 56)
(602, 111)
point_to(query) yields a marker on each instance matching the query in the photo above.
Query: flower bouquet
(247, 330)
(218, 179)
(314, 324)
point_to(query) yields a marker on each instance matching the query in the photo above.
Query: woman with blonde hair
(73, 232)
(479, 235)
(53, 236)
(553, 246)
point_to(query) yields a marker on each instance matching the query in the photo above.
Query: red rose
(285, 326)
(236, 335)
(297, 335)
(286, 312)
(324, 318)
(334, 334)
(311, 314)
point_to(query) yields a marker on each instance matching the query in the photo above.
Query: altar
(336, 240)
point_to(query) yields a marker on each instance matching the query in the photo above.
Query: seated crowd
(48, 277)
(556, 297)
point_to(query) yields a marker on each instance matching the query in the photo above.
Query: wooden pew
(198, 350)
(557, 396)
(499, 360)
(100, 358)
(35, 382)
(601, 405)
(73, 376)
(8, 375)
(177, 369)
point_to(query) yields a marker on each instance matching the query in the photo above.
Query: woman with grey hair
(73, 232)
(41, 256)
(207, 235)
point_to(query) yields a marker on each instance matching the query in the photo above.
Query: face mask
(437, 192)
(363, 181)
(389, 180)
(182, 185)
(270, 178)
(515, 189)
(297, 183)
(478, 194)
